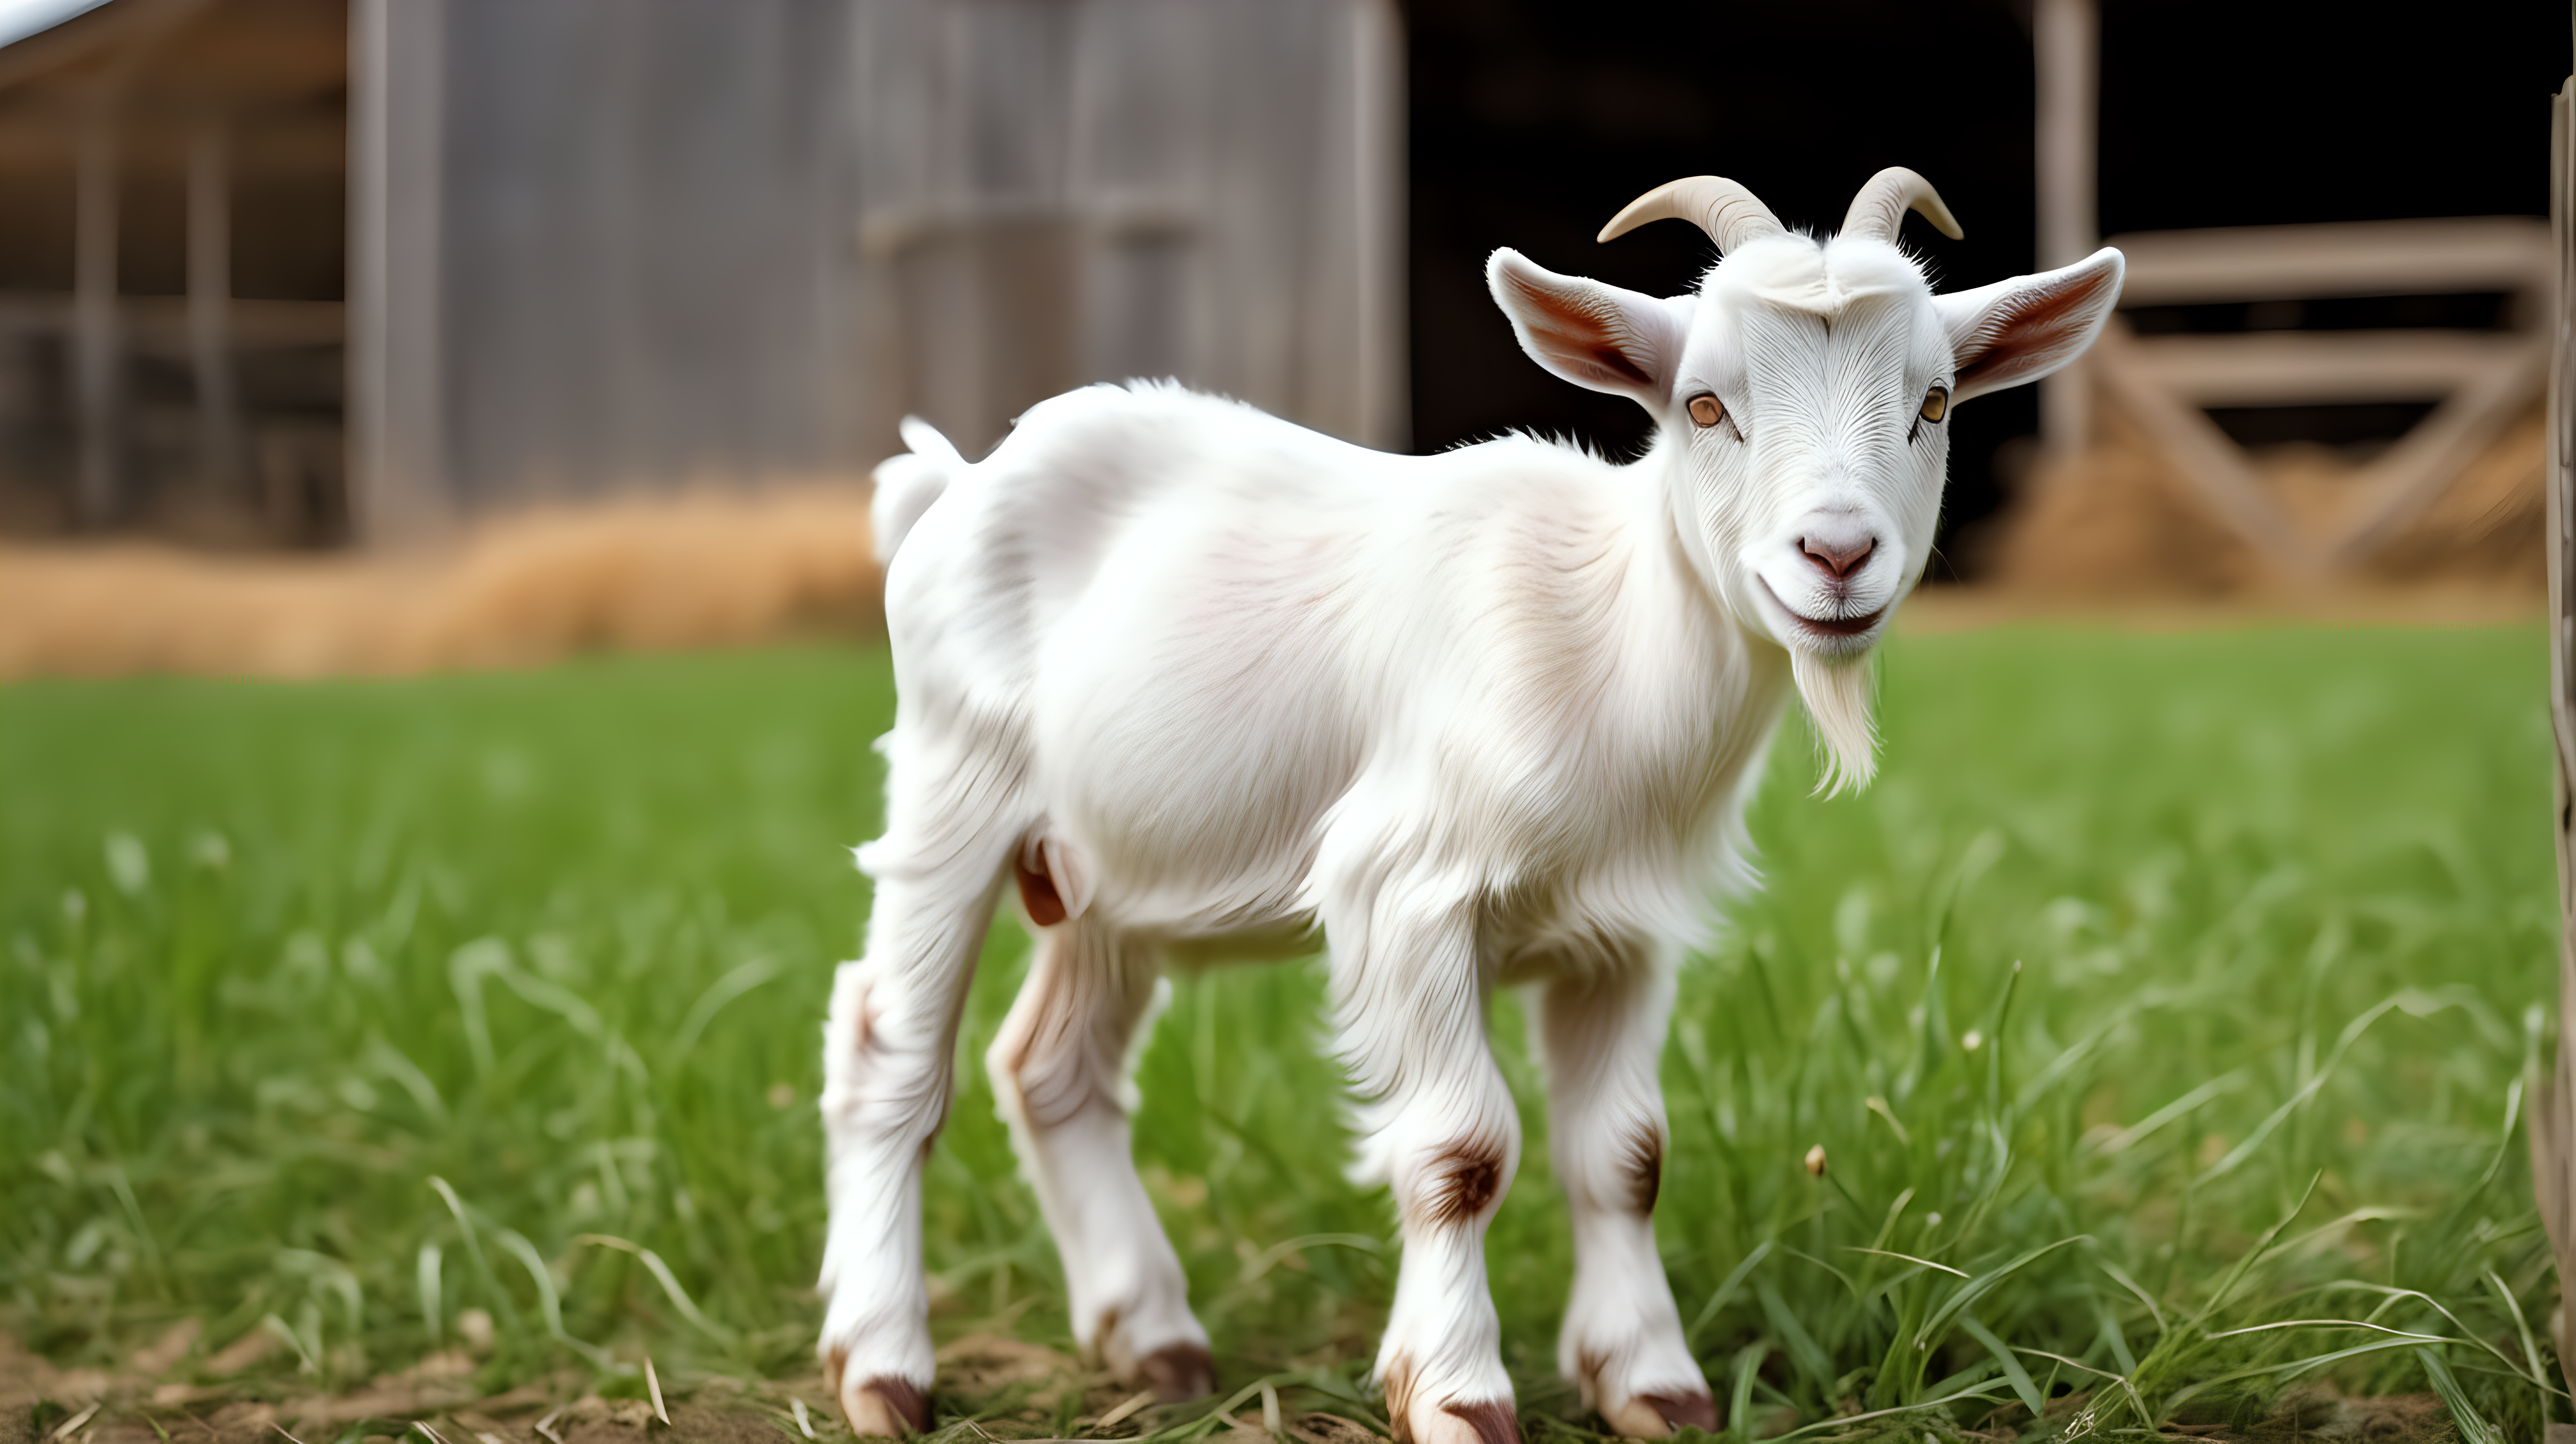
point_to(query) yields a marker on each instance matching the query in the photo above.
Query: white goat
(1200, 679)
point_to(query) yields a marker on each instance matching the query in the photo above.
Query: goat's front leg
(1059, 1068)
(1600, 1028)
(1437, 1124)
(886, 1082)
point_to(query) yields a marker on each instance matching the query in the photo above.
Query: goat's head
(1805, 389)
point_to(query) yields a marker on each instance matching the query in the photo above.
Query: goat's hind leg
(887, 1076)
(1059, 1068)
(1600, 1029)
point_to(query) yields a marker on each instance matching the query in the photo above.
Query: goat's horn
(1888, 196)
(1729, 213)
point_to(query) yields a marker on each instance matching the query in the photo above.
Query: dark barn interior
(224, 128)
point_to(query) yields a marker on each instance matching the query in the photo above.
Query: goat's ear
(1591, 334)
(2022, 329)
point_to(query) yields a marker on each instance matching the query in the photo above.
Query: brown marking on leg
(1397, 1381)
(1645, 1166)
(842, 1105)
(1178, 1373)
(833, 1363)
(1105, 1330)
(1038, 895)
(1588, 1365)
(1461, 1182)
(1493, 1421)
(1684, 1411)
(902, 1399)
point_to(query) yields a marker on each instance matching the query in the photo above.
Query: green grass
(2162, 987)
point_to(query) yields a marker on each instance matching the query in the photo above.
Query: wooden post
(2066, 46)
(398, 487)
(210, 291)
(1385, 410)
(2553, 1110)
(97, 358)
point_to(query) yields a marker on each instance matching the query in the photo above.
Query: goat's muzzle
(1838, 559)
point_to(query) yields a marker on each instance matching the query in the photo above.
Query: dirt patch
(991, 1388)
(37, 1399)
(683, 572)
(987, 1366)
(2320, 1411)
(733, 1421)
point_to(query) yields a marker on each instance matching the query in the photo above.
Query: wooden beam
(159, 326)
(2214, 465)
(2355, 258)
(2302, 368)
(2397, 487)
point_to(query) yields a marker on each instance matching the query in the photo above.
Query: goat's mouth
(1826, 631)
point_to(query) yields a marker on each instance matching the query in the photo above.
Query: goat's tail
(909, 483)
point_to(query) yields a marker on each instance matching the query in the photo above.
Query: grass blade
(1907, 1257)
(1977, 1288)
(1726, 1291)
(2473, 1426)
(1739, 1404)
(2014, 1373)
(718, 993)
(491, 1281)
(670, 1283)
(2245, 1264)
(2120, 1379)
(2521, 1327)
(551, 1305)
(432, 1308)
(1803, 1350)
(1847, 1420)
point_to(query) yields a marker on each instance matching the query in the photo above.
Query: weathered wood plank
(679, 242)
(2552, 1127)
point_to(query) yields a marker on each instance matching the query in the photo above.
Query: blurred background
(310, 311)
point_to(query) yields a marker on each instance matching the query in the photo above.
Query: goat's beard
(1840, 693)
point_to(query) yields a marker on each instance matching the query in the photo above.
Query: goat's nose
(1837, 557)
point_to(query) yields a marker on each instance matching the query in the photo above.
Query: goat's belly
(1278, 941)
(1190, 762)
(1193, 838)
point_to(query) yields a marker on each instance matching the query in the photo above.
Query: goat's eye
(1936, 403)
(1707, 410)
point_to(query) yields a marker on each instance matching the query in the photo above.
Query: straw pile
(697, 571)
(2118, 522)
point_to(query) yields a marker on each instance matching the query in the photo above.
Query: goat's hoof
(1492, 1422)
(885, 1407)
(1459, 1422)
(1419, 1420)
(1658, 1416)
(1178, 1373)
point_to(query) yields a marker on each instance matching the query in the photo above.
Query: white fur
(1488, 717)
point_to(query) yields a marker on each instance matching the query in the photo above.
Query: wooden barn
(299, 271)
